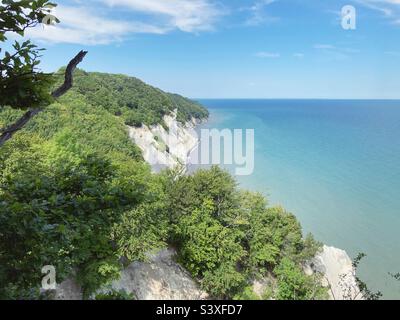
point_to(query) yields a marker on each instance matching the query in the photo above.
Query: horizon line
(327, 99)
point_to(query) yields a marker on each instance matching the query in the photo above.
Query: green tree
(135, 101)
(210, 251)
(293, 284)
(208, 213)
(57, 206)
(22, 85)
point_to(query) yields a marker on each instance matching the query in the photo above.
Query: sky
(234, 48)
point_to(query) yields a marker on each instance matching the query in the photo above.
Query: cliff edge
(166, 146)
(338, 273)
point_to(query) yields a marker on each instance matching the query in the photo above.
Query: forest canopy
(138, 103)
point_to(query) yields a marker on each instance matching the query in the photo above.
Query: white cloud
(90, 23)
(389, 8)
(264, 54)
(335, 52)
(257, 13)
(186, 15)
(80, 25)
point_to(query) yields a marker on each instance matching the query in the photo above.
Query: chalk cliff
(160, 278)
(166, 146)
(338, 273)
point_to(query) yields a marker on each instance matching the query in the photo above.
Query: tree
(226, 237)
(22, 85)
(293, 284)
(60, 203)
(210, 251)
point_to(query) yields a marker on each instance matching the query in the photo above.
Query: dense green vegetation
(22, 85)
(137, 102)
(227, 237)
(75, 193)
(58, 205)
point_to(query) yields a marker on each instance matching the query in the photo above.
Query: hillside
(98, 108)
(76, 194)
(135, 101)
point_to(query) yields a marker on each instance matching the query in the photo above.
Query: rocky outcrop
(261, 287)
(338, 273)
(166, 147)
(160, 278)
(68, 290)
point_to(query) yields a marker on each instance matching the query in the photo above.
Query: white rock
(161, 278)
(68, 290)
(338, 273)
(180, 140)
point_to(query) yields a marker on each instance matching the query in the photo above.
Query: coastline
(163, 278)
(334, 264)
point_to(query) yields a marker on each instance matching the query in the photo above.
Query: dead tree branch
(8, 132)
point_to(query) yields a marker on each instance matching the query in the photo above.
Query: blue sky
(234, 48)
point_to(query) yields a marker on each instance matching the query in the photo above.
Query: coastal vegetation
(76, 194)
(136, 102)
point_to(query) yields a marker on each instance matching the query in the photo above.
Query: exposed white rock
(261, 286)
(161, 278)
(337, 269)
(163, 148)
(68, 290)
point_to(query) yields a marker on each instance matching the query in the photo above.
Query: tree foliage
(72, 185)
(22, 85)
(136, 102)
(57, 207)
(293, 284)
(226, 237)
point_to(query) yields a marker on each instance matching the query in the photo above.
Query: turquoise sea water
(335, 165)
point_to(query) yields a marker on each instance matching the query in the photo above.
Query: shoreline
(183, 139)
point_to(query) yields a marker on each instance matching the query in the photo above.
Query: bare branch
(330, 288)
(68, 81)
(8, 132)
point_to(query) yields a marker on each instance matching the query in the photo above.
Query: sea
(335, 164)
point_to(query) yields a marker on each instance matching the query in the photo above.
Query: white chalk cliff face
(160, 278)
(163, 148)
(338, 273)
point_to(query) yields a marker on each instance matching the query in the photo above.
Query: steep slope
(135, 101)
(166, 146)
(76, 193)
